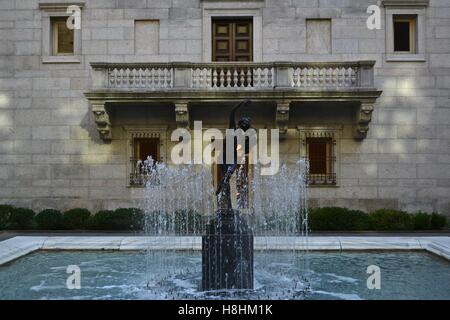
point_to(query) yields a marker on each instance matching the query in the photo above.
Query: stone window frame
(415, 8)
(58, 10)
(213, 9)
(131, 133)
(333, 132)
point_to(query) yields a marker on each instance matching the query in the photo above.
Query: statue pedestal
(227, 253)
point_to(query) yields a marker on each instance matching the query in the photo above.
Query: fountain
(180, 201)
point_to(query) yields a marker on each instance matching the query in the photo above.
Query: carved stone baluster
(270, 77)
(145, 81)
(169, 77)
(128, 78)
(166, 77)
(152, 78)
(335, 78)
(265, 77)
(249, 77)
(256, 77)
(316, 77)
(329, 76)
(222, 78)
(112, 78)
(295, 77)
(235, 78)
(157, 78)
(353, 76)
(120, 77)
(194, 77)
(322, 77)
(242, 78)
(133, 82)
(208, 77)
(342, 77)
(228, 79)
(302, 78)
(215, 78)
(202, 78)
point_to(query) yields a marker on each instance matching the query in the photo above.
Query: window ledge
(61, 59)
(323, 185)
(401, 57)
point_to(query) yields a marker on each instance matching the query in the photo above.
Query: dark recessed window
(321, 161)
(404, 34)
(62, 37)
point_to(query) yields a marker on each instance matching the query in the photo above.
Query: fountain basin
(122, 275)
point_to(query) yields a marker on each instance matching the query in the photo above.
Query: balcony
(232, 76)
(282, 82)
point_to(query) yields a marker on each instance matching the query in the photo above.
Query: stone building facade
(373, 107)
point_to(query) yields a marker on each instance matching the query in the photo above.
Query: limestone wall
(51, 155)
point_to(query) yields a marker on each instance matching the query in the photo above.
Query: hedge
(49, 219)
(342, 219)
(437, 221)
(336, 218)
(21, 219)
(77, 218)
(389, 219)
(120, 219)
(189, 221)
(5, 214)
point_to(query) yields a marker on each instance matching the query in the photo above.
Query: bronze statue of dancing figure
(223, 192)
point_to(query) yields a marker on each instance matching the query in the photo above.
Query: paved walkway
(18, 246)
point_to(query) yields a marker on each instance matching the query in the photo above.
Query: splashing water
(180, 201)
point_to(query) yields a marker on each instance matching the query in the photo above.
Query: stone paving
(19, 246)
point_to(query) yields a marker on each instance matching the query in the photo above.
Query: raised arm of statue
(232, 122)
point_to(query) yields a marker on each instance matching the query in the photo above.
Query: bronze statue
(227, 169)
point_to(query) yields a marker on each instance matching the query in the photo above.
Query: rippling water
(123, 275)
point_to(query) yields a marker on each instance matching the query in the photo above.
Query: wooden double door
(232, 40)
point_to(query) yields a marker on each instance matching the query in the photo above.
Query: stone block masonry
(51, 154)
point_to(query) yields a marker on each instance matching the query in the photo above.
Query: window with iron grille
(321, 158)
(320, 146)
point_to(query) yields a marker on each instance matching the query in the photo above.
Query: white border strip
(17, 247)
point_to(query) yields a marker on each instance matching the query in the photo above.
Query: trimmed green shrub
(390, 219)
(336, 218)
(21, 218)
(132, 217)
(5, 215)
(49, 219)
(120, 219)
(422, 221)
(77, 218)
(437, 221)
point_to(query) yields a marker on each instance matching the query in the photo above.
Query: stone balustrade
(181, 83)
(301, 76)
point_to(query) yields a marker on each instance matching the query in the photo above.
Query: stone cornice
(406, 3)
(52, 6)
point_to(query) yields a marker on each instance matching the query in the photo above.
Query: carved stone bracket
(282, 117)
(102, 120)
(182, 114)
(363, 118)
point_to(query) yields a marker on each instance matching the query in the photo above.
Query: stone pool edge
(19, 246)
